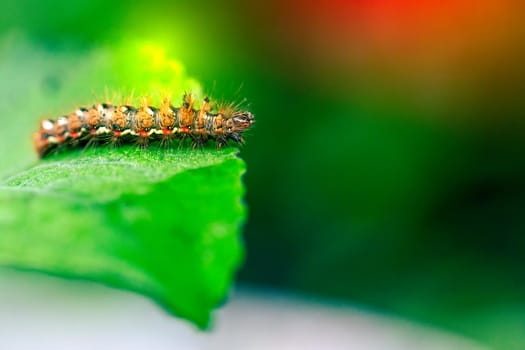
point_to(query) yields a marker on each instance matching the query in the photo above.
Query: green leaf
(164, 222)
(161, 222)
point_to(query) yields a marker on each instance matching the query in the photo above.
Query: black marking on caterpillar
(123, 124)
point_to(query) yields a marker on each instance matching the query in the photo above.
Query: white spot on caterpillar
(62, 121)
(102, 130)
(47, 125)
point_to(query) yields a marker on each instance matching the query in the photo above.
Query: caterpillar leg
(182, 139)
(90, 141)
(166, 140)
(221, 142)
(237, 138)
(142, 142)
(199, 142)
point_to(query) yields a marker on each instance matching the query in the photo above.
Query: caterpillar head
(242, 120)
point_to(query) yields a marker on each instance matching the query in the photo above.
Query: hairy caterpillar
(119, 124)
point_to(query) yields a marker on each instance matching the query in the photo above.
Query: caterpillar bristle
(105, 124)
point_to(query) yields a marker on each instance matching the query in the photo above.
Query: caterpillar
(105, 123)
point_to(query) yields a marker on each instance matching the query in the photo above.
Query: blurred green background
(387, 164)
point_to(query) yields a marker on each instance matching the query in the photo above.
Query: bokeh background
(387, 165)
